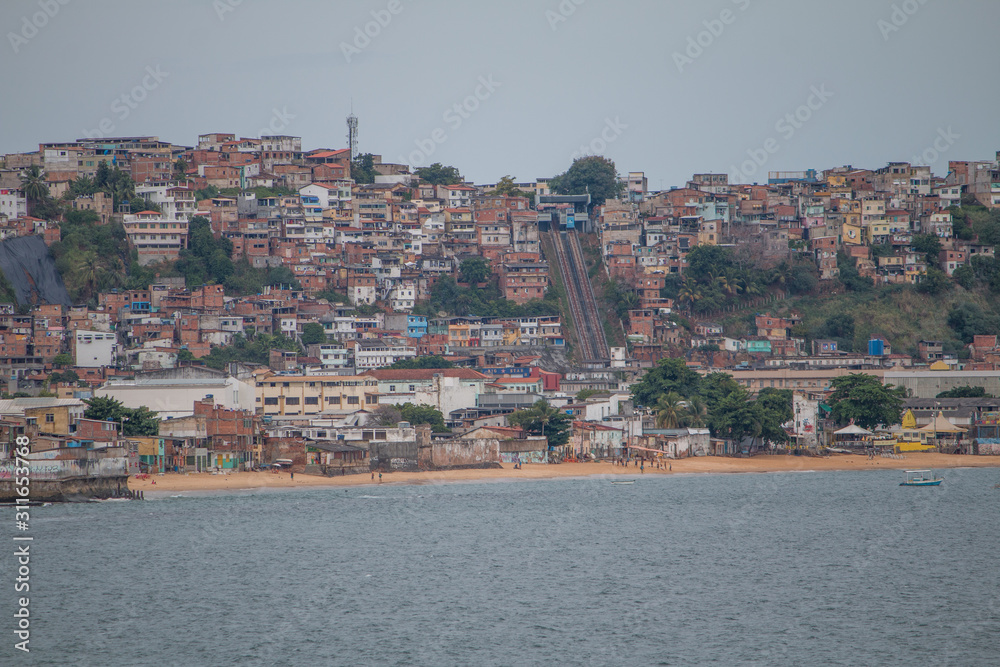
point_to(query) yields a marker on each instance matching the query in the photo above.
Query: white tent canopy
(853, 429)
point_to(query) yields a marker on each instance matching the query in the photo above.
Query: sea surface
(831, 568)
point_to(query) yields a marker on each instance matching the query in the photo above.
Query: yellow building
(304, 395)
(852, 234)
(55, 419)
(459, 334)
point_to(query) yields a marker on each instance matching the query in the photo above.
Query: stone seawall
(68, 490)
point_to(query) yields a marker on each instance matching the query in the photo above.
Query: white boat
(623, 481)
(921, 478)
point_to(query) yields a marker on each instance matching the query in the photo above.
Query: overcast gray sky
(669, 88)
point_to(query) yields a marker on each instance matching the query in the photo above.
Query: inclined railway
(580, 291)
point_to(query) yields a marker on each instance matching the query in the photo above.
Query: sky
(520, 87)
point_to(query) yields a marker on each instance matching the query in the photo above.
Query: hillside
(901, 314)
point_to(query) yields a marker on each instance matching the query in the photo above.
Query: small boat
(921, 478)
(623, 481)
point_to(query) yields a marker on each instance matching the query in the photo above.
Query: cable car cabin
(570, 221)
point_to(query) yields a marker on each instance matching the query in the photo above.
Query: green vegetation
(716, 280)
(594, 174)
(584, 394)
(973, 219)
(313, 333)
(206, 261)
(363, 169)
(448, 297)
(965, 392)
(332, 297)
(438, 174)
(253, 349)
(543, 419)
(474, 270)
(681, 397)
(135, 421)
(505, 187)
(865, 401)
(432, 361)
(92, 257)
(416, 415)
(420, 415)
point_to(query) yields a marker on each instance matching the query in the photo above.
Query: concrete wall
(460, 454)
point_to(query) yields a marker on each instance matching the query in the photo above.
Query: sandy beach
(256, 480)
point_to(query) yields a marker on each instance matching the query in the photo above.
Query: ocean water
(842, 568)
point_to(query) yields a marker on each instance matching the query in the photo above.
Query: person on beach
(642, 468)
(373, 476)
(292, 474)
(380, 478)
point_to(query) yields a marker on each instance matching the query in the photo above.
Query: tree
(935, 282)
(863, 399)
(62, 359)
(419, 415)
(33, 186)
(670, 375)
(543, 419)
(968, 320)
(185, 355)
(965, 392)
(434, 361)
(507, 188)
(438, 174)
(180, 169)
(929, 244)
(594, 174)
(386, 415)
(313, 333)
(135, 421)
(363, 168)
(474, 270)
(669, 410)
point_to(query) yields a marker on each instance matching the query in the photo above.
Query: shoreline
(246, 481)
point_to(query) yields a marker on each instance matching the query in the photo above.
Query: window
(312, 400)
(49, 418)
(353, 400)
(292, 400)
(272, 400)
(333, 399)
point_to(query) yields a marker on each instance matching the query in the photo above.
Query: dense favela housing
(247, 302)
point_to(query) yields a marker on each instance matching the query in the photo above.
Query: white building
(172, 393)
(13, 204)
(94, 348)
(369, 354)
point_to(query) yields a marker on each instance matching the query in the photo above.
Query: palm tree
(689, 294)
(83, 185)
(669, 410)
(697, 413)
(89, 270)
(33, 186)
